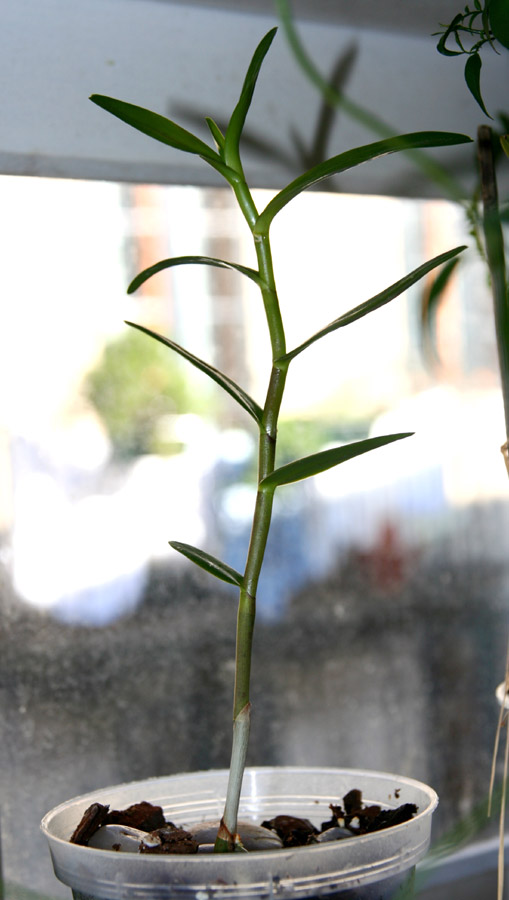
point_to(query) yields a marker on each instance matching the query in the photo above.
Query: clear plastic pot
(372, 867)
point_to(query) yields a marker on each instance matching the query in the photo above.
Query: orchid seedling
(225, 158)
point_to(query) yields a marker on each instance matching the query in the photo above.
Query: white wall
(172, 57)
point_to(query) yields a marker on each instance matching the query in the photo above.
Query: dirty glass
(383, 604)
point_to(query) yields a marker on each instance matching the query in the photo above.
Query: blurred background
(383, 604)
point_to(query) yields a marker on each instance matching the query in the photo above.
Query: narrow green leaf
(209, 563)
(441, 46)
(498, 12)
(504, 143)
(375, 302)
(226, 383)
(192, 260)
(439, 285)
(320, 462)
(349, 160)
(238, 118)
(336, 98)
(473, 67)
(217, 134)
(155, 126)
(486, 26)
(430, 303)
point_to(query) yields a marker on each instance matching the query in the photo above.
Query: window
(382, 608)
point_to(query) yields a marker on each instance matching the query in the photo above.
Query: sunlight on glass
(109, 450)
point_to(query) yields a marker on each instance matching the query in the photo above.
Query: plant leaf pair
(226, 158)
(168, 132)
(493, 26)
(294, 471)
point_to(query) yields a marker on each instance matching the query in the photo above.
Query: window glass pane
(382, 605)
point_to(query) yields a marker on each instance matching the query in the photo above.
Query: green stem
(270, 300)
(495, 254)
(227, 839)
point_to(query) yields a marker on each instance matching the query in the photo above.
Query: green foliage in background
(485, 24)
(309, 435)
(133, 388)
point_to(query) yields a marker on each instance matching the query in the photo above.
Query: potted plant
(377, 863)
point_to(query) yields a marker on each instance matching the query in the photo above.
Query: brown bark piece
(169, 840)
(92, 819)
(293, 832)
(143, 816)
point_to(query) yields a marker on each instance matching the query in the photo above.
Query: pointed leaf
(335, 97)
(375, 302)
(209, 563)
(320, 462)
(486, 26)
(441, 46)
(498, 13)
(473, 67)
(430, 302)
(226, 383)
(155, 126)
(352, 158)
(192, 260)
(438, 287)
(504, 143)
(217, 134)
(236, 124)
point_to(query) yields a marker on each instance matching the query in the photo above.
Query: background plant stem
(370, 120)
(494, 241)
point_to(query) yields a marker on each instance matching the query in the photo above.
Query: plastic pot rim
(96, 796)
(298, 872)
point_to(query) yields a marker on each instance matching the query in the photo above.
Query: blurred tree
(136, 387)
